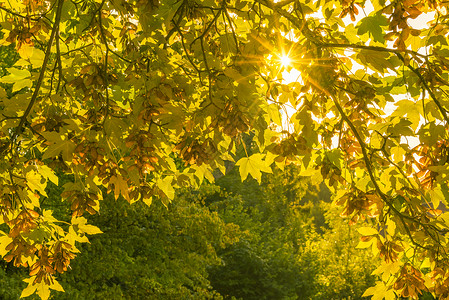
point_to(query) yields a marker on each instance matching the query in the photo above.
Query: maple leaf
(120, 187)
(59, 145)
(253, 165)
(83, 227)
(166, 186)
(34, 182)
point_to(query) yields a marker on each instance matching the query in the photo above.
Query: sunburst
(285, 60)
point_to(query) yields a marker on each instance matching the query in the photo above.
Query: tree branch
(373, 48)
(43, 69)
(427, 88)
(369, 169)
(17, 14)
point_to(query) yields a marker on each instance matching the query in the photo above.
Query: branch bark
(54, 31)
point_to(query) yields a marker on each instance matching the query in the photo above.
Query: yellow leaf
(83, 227)
(379, 292)
(369, 292)
(90, 229)
(56, 286)
(4, 241)
(25, 51)
(34, 197)
(43, 290)
(148, 201)
(37, 58)
(363, 183)
(34, 182)
(275, 115)
(20, 78)
(73, 237)
(391, 226)
(436, 196)
(390, 295)
(166, 186)
(20, 84)
(366, 231)
(15, 75)
(29, 290)
(203, 171)
(390, 269)
(253, 165)
(48, 173)
(48, 215)
(363, 245)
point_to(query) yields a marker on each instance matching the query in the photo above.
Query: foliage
(144, 252)
(117, 94)
(272, 246)
(155, 253)
(294, 246)
(11, 278)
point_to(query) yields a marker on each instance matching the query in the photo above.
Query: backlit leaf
(367, 231)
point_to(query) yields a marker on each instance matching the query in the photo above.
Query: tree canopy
(139, 98)
(277, 240)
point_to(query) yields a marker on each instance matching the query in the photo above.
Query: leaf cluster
(141, 98)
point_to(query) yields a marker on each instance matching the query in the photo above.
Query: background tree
(113, 93)
(250, 241)
(295, 247)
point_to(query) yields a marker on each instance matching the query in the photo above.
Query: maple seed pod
(366, 238)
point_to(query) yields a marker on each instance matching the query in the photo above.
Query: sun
(285, 60)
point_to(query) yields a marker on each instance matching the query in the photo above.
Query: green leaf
(37, 235)
(59, 145)
(402, 127)
(114, 128)
(377, 60)
(373, 26)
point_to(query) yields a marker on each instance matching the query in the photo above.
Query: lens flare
(285, 60)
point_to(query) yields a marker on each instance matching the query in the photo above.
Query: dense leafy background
(278, 240)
